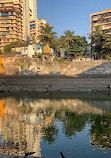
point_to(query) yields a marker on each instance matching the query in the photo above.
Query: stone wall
(23, 65)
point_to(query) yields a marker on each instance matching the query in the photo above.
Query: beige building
(26, 13)
(102, 19)
(10, 22)
(33, 7)
(35, 28)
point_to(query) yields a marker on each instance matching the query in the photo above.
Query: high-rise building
(10, 22)
(33, 7)
(35, 28)
(102, 19)
(26, 13)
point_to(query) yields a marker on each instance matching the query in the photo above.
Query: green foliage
(101, 130)
(50, 132)
(22, 67)
(29, 64)
(77, 47)
(18, 64)
(101, 42)
(67, 39)
(47, 36)
(8, 47)
(61, 60)
(0, 51)
(73, 123)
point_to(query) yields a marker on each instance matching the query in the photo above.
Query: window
(95, 22)
(101, 21)
(109, 19)
(11, 13)
(4, 14)
(32, 25)
(95, 16)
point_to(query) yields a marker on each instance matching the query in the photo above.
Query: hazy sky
(71, 15)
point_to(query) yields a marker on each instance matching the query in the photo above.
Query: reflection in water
(24, 124)
(101, 131)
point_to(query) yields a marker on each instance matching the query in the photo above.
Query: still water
(78, 124)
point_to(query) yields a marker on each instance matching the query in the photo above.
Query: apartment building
(10, 22)
(102, 19)
(35, 28)
(33, 7)
(26, 13)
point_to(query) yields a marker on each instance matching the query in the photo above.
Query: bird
(61, 154)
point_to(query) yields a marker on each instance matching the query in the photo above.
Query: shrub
(0, 51)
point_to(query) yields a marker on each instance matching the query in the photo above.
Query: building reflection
(24, 123)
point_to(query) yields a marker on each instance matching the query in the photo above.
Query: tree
(101, 42)
(67, 38)
(46, 35)
(107, 46)
(78, 46)
(8, 47)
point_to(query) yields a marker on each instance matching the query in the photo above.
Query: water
(78, 124)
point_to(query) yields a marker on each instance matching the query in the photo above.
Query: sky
(71, 15)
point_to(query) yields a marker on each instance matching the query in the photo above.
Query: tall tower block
(33, 7)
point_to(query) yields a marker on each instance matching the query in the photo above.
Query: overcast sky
(71, 15)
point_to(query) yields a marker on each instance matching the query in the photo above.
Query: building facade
(10, 22)
(18, 22)
(35, 28)
(102, 19)
(26, 13)
(33, 7)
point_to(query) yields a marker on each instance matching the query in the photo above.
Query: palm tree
(96, 40)
(67, 38)
(46, 35)
(101, 41)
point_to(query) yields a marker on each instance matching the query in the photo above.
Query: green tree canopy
(67, 38)
(101, 42)
(78, 46)
(46, 35)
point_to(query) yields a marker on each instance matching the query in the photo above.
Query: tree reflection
(25, 109)
(101, 131)
(72, 122)
(50, 133)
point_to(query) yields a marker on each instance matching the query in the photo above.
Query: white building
(32, 49)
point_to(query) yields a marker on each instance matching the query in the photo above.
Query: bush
(61, 60)
(0, 51)
(8, 48)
